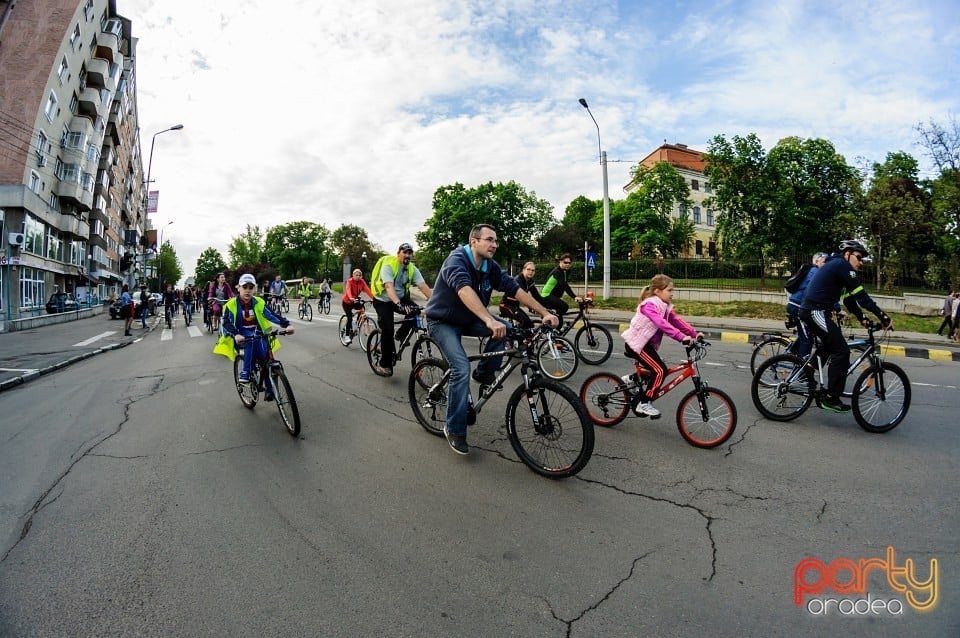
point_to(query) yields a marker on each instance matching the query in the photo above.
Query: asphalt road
(140, 497)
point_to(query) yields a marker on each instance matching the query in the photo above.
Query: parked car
(61, 302)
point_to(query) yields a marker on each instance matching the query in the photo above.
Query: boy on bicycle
(837, 280)
(243, 316)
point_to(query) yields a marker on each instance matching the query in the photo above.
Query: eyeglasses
(858, 256)
(565, 263)
(492, 240)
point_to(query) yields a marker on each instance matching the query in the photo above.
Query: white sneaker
(349, 339)
(646, 409)
(627, 378)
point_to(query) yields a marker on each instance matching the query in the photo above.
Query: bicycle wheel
(557, 358)
(373, 354)
(594, 344)
(307, 313)
(881, 398)
(427, 390)
(342, 331)
(708, 424)
(366, 327)
(248, 391)
(286, 402)
(606, 398)
(285, 304)
(424, 348)
(783, 387)
(326, 305)
(766, 348)
(549, 429)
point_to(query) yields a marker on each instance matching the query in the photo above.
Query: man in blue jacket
(802, 347)
(458, 307)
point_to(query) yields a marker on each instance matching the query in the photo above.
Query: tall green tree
(352, 241)
(247, 248)
(659, 190)
(296, 249)
(520, 217)
(745, 191)
(209, 263)
(168, 268)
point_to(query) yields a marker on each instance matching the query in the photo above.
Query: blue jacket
(458, 271)
(793, 303)
(836, 280)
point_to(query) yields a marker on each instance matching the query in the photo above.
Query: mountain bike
(323, 303)
(278, 304)
(305, 310)
(363, 325)
(773, 343)
(706, 416)
(267, 376)
(784, 386)
(556, 355)
(547, 425)
(593, 342)
(423, 346)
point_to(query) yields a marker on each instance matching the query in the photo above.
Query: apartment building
(71, 176)
(690, 164)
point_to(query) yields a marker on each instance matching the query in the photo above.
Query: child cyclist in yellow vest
(242, 317)
(655, 317)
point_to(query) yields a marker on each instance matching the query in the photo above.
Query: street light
(175, 127)
(160, 261)
(606, 207)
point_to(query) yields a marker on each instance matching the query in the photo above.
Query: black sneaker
(458, 442)
(833, 404)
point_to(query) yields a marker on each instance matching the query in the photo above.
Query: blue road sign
(591, 260)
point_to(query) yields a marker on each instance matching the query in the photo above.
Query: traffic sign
(591, 260)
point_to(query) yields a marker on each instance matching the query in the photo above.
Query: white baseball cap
(247, 279)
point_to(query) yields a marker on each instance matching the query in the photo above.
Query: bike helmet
(854, 244)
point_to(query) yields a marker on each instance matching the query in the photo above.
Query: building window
(698, 250)
(683, 210)
(93, 154)
(88, 10)
(694, 185)
(71, 173)
(706, 188)
(696, 214)
(64, 71)
(54, 245)
(709, 217)
(34, 182)
(50, 110)
(73, 140)
(712, 249)
(33, 235)
(32, 288)
(74, 103)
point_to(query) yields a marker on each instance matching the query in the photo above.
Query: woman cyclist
(218, 294)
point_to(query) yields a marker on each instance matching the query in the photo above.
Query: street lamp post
(153, 141)
(606, 207)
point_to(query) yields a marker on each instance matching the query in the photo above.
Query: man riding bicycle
(391, 281)
(278, 288)
(243, 316)
(838, 280)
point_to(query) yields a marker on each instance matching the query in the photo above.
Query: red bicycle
(706, 417)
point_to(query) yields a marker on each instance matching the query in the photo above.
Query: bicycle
(305, 310)
(556, 356)
(547, 425)
(214, 316)
(323, 303)
(362, 325)
(168, 315)
(773, 343)
(706, 416)
(423, 345)
(784, 386)
(187, 313)
(267, 375)
(278, 304)
(593, 342)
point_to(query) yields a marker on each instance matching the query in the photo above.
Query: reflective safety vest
(225, 344)
(376, 283)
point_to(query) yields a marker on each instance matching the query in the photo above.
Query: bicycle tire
(325, 302)
(549, 429)
(286, 402)
(766, 348)
(427, 392)
(424, 348)
(285, 304)
(557, 358)
(777, 393)
(365, 327)
(713, 430)
(606, 399)
(249, 392)
(374, 357)
(593, 344)
(882, 389)
(342, 331)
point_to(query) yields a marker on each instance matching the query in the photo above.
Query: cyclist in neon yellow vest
(391, 281)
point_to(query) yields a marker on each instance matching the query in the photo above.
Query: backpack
(793, 284)
(376, 284)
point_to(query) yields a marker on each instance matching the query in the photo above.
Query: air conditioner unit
(15, 239)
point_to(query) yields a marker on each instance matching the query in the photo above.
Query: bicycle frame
(582, 315)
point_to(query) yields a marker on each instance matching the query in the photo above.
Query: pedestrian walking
(947, 313)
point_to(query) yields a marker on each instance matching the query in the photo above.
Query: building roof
(678, 155)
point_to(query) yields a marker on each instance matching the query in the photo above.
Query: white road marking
(166, 335)
(87, 342)
(194, 331)
(23, 370)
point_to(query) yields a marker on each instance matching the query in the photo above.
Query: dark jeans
(388, 346)
(948, 322)
(555, 304)
(831, 337)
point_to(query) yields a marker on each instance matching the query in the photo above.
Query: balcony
(88, 102)
(98, 73)
(71, 192)
(82, 124)
(116, 115)
(108, 46)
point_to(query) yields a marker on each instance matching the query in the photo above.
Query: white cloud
(357, 112)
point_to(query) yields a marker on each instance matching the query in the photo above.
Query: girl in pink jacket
(655, 317)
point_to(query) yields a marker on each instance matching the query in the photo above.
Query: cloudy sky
(356, 112)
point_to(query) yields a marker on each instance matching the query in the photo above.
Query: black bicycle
(187, 312)
(773, 343)
(592, 342)
(305, 310)
(784, 386)
(362, 326)
(546, 423)
(267, 375)
(323, 303)
(423, 346)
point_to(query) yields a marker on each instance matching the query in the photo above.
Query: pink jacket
(654, 319)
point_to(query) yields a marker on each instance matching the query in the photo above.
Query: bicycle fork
(701, 388)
